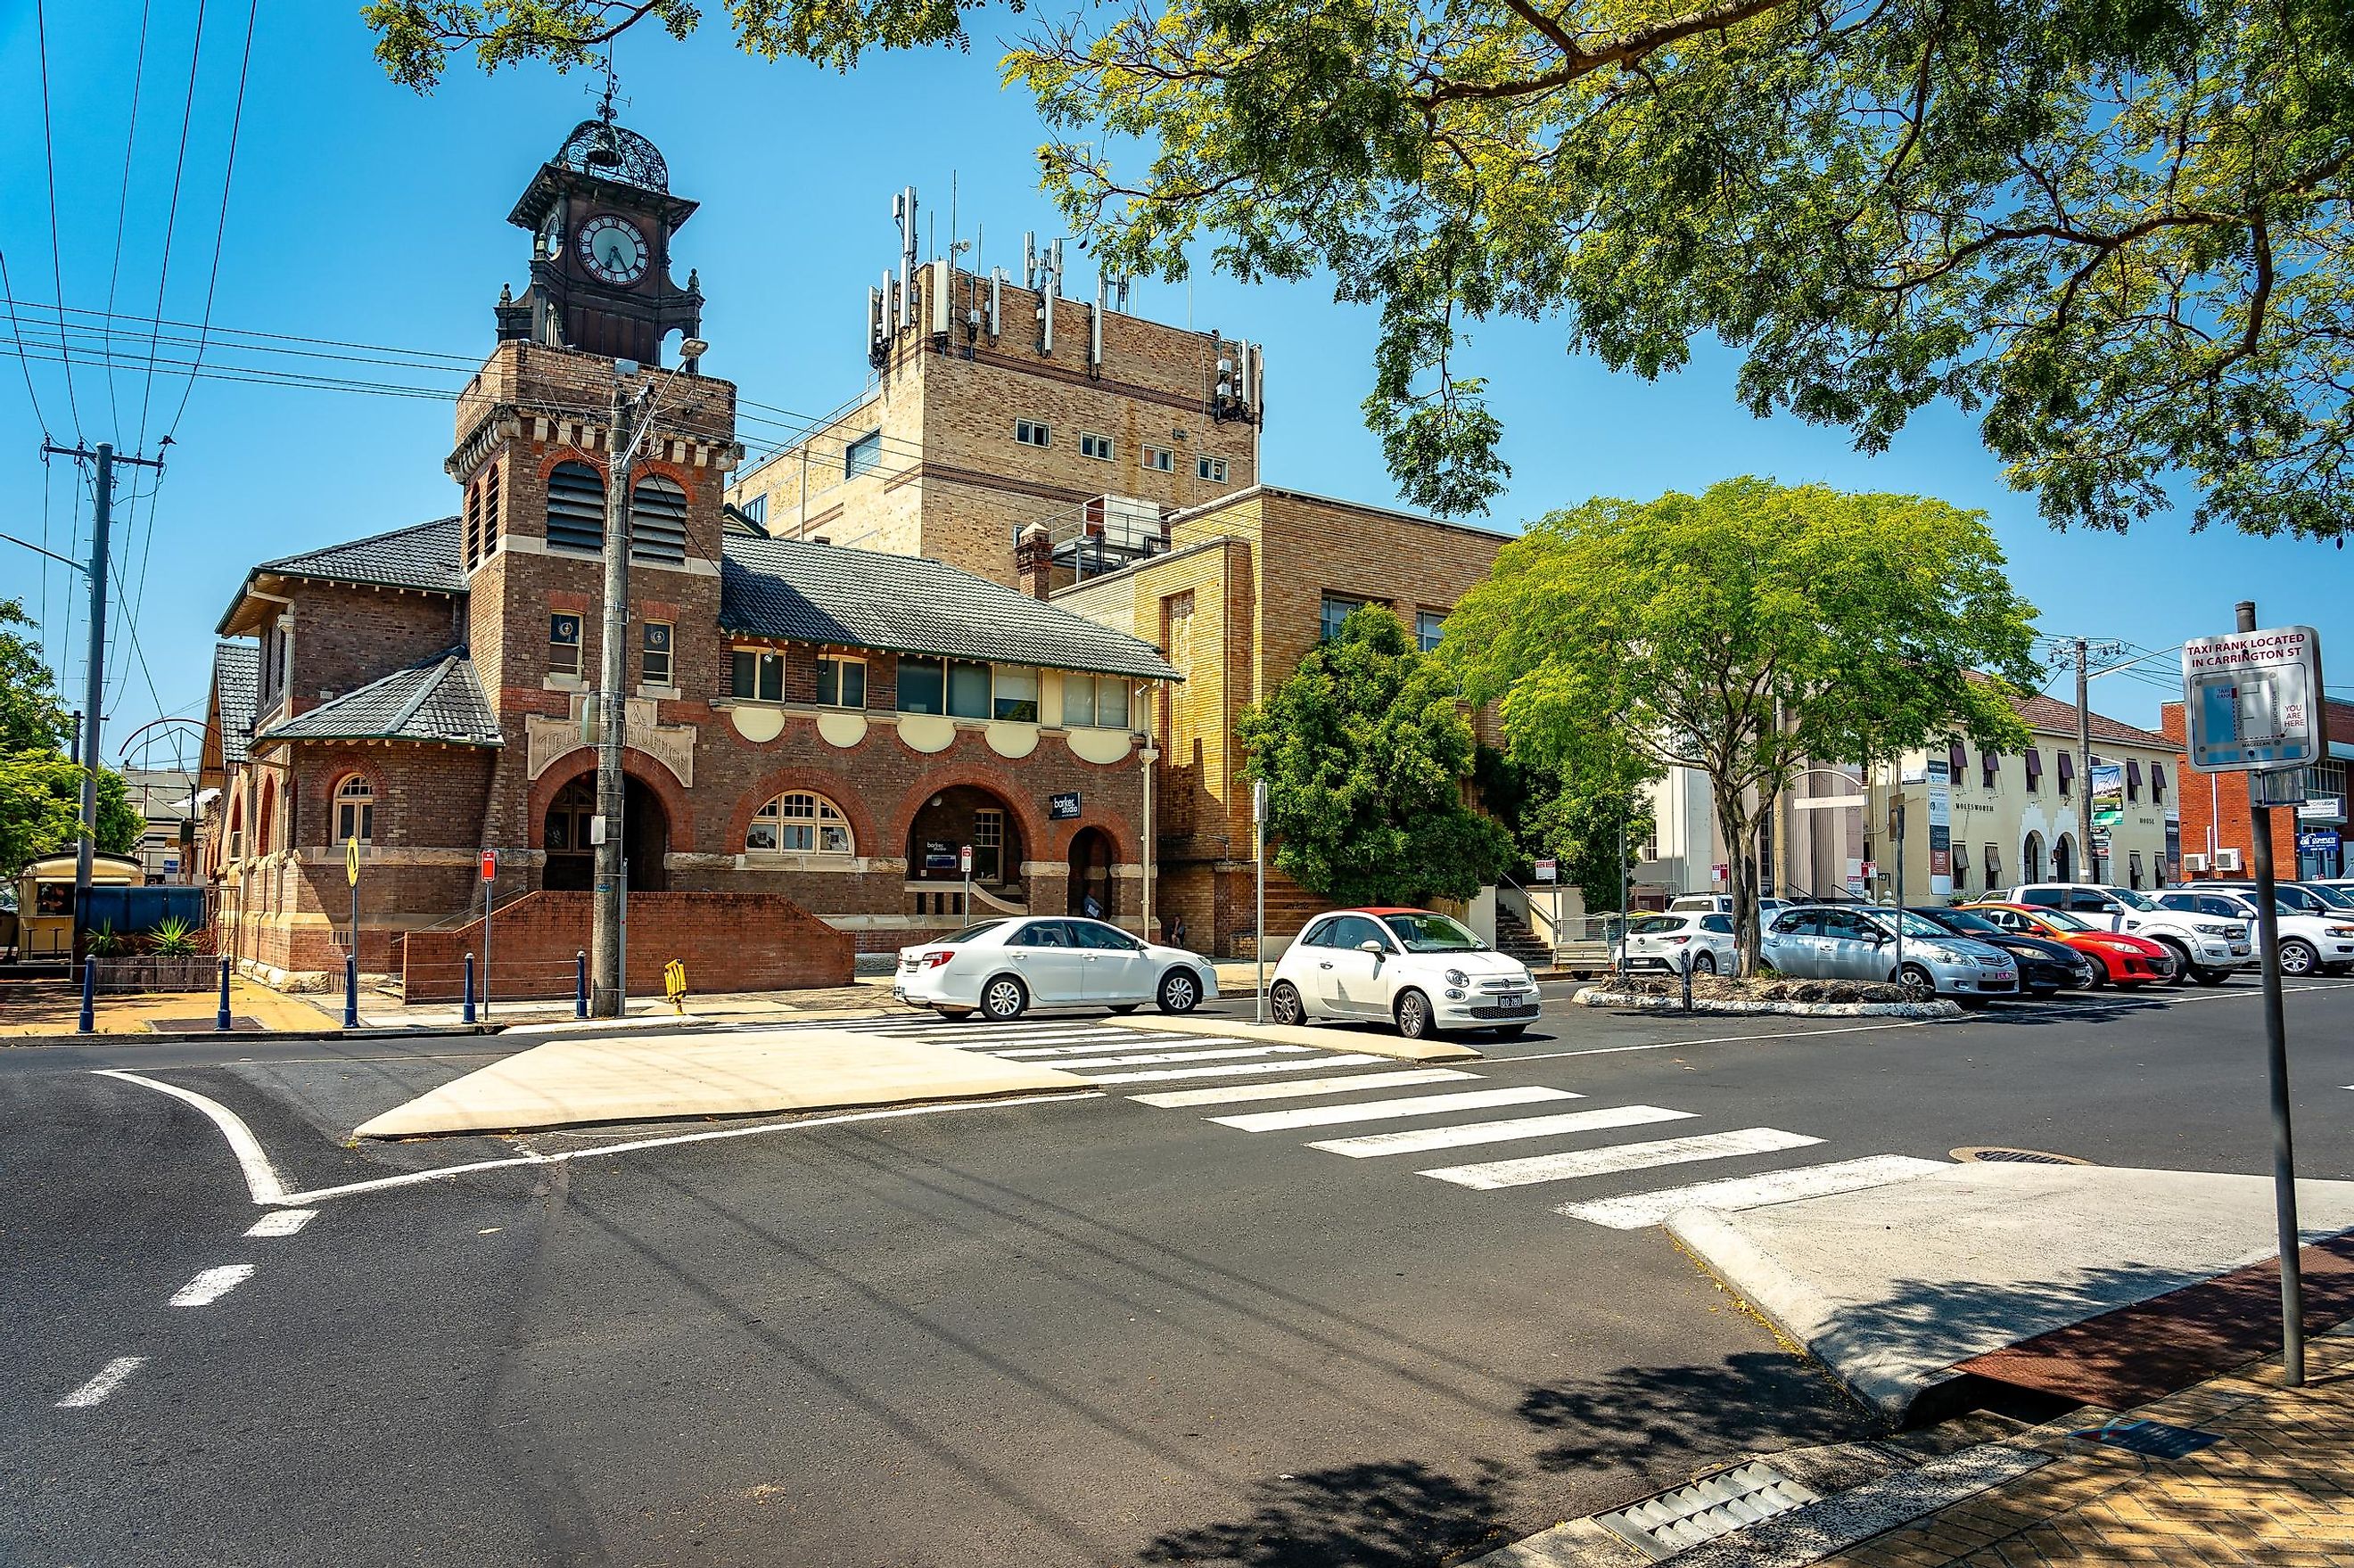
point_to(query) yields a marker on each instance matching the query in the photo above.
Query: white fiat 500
(1001, 969)
(1418, 969)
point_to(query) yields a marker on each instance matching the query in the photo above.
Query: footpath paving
(47, 1010)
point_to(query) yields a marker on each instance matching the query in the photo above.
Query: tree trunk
(1741, 873)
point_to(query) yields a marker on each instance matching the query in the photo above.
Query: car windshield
(1914, 925)
(1423, 932)
(2060, 920)
(2133, 900)
(970, 932)
(2335, 897)
(1654, 924)
(1973, 925)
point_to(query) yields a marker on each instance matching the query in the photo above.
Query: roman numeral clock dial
(614, 249)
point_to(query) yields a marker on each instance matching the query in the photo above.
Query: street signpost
(1548, 870)
(352, 958)
(1258, 928)
(490, 876)
(2251, 700)
(964, 864)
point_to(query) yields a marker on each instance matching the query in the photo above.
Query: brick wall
(728, 941)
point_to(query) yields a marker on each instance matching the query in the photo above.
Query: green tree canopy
(40, 786)
(1741, 632)
(1364, 750)
(1582, 821)
(31, 716)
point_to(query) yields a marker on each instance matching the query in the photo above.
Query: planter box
(200, 971)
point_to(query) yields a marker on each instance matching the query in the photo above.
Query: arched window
(356, 809)
(265, 822)
(576, 508)
(658, 522)
(799, 823)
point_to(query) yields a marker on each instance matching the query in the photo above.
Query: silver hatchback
(1858, 942)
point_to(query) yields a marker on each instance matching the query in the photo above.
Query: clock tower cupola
(601, 216)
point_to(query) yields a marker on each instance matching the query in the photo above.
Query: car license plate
(1511, 998)
(2239, 949)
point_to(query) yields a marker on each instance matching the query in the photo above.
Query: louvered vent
(576, 509)
(658, 522)
(491, 512)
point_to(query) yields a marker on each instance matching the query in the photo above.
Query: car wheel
(2210, 977)
(1508, 1032)
(1704, 963)
(1284, 1002)
(1414, 1020)
(1179, 991)
(2183, 967)
(2100, 976)
(2297, 957)
(1918, 982)
(1126, 1006)
(1004, 1000)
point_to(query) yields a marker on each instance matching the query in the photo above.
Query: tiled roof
(908, 604)
(2050, 716)
(436, 699)
(236, 671)
(424, 556)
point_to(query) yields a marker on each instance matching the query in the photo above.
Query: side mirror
(1880, 938)
(1370, 946)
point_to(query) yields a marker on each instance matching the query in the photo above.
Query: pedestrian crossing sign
(351, 860)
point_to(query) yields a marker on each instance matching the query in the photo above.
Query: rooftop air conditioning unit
(2227, 860)
(2194, 863)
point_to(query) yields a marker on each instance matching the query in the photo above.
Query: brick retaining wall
(728, 941)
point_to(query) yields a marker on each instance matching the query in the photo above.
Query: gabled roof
(806, 592)
(423, 556)
(236, 672)
(436, 699)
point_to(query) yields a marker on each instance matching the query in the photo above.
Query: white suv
(2205, 949)
(2307, 941)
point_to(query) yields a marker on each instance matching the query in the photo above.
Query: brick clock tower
(533, 458)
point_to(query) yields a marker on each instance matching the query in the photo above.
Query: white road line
(260, 1176)
(1231, 1069)
(1493, 1174)
(446, 1173)
(1160, 1041)
(1421, 1140)
(1149, 1057)
(110, 1377)
(281, 1222)
(1718, 1040)
(1390, 1110)
(1301, 1088)
(212, 1285)
(1640, 1209)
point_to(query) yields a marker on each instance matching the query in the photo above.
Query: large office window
(1333, 611)
(799, 823)
(759, 676)
(969, 690)
(1094, 701)
(840, 683)
(923, 686)
(1016, 697)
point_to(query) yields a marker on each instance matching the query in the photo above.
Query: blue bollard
(351, 990)
(88, 995)
(220, 1019)
(579, 983)
(469, 1014)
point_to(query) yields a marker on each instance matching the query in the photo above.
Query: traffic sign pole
(352, 958)
(490, 885)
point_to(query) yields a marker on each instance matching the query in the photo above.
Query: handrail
(990, 900)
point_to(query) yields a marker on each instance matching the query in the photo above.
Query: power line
(123, 199)
(171, 222)
(15, 330)
(49, 151)
(221, 226)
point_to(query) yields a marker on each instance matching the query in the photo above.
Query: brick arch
(635, 763)
(785, 780)
(326, 776)
(1036, 830)
(265, 819)
(1123, 839)
(680, 474)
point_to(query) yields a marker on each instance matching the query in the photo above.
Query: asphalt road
(1094, 1331)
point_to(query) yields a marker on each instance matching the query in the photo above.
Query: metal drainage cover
(2154, 1438)
(1679, 1520)
(2014, 1157)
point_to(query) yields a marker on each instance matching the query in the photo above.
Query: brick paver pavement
(2277, 1490)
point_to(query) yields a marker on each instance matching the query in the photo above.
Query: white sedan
(1001, 969)
(1418, 969)
(1668, 941)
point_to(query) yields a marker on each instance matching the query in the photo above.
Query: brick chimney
(1034, 562)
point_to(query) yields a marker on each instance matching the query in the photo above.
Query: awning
(2035, 763)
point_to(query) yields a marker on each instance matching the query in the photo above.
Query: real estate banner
(2108, 793)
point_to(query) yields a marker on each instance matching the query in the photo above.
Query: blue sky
(361, 212)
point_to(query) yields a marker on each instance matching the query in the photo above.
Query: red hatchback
(2118, 957)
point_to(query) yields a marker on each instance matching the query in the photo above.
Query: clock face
(613, 248)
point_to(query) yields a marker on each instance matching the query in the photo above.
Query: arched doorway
(2030, 859)
(1091, 878)
(963, 814)
(2064, 859)
(572, 858)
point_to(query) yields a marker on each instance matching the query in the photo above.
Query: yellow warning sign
(675, 984)
(351, 860)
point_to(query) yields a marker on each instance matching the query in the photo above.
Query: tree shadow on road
(1663, 1421)
(1397, 1513)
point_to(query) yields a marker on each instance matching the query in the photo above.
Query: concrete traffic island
(645, 1074)
(1782, 998)
(1893, 1288)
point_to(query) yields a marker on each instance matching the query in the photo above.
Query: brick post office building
(815, 732)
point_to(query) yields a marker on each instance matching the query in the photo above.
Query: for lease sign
(2251, 700)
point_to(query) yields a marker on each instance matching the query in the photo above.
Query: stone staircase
(1514, 940)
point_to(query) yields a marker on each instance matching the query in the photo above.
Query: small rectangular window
(1094, 446)
(840, 683)
(1332, 613)
(864, 455)
(564, 644)
(1161, 460)
(759, 676)
(923, 686)
(1212, 468)
(969, 691)
(654, 655)
(1099, 701)
(1429, 625)
(1033, 433)
(1017, 696)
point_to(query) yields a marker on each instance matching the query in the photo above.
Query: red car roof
(1384, 910)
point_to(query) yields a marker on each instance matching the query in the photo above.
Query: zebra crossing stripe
(1229, 1069)
(1421, 1140)
(1640, 1209)
(1125, 1039)
(1149, 1057)
(1491, 1174)
(1301, 1088)
(1390, 1110)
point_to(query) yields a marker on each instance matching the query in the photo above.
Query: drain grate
(2155, 1438)
(1678, 1520)
(1998, 1156)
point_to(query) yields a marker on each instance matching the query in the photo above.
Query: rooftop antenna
(903, 208)
(606, 153)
